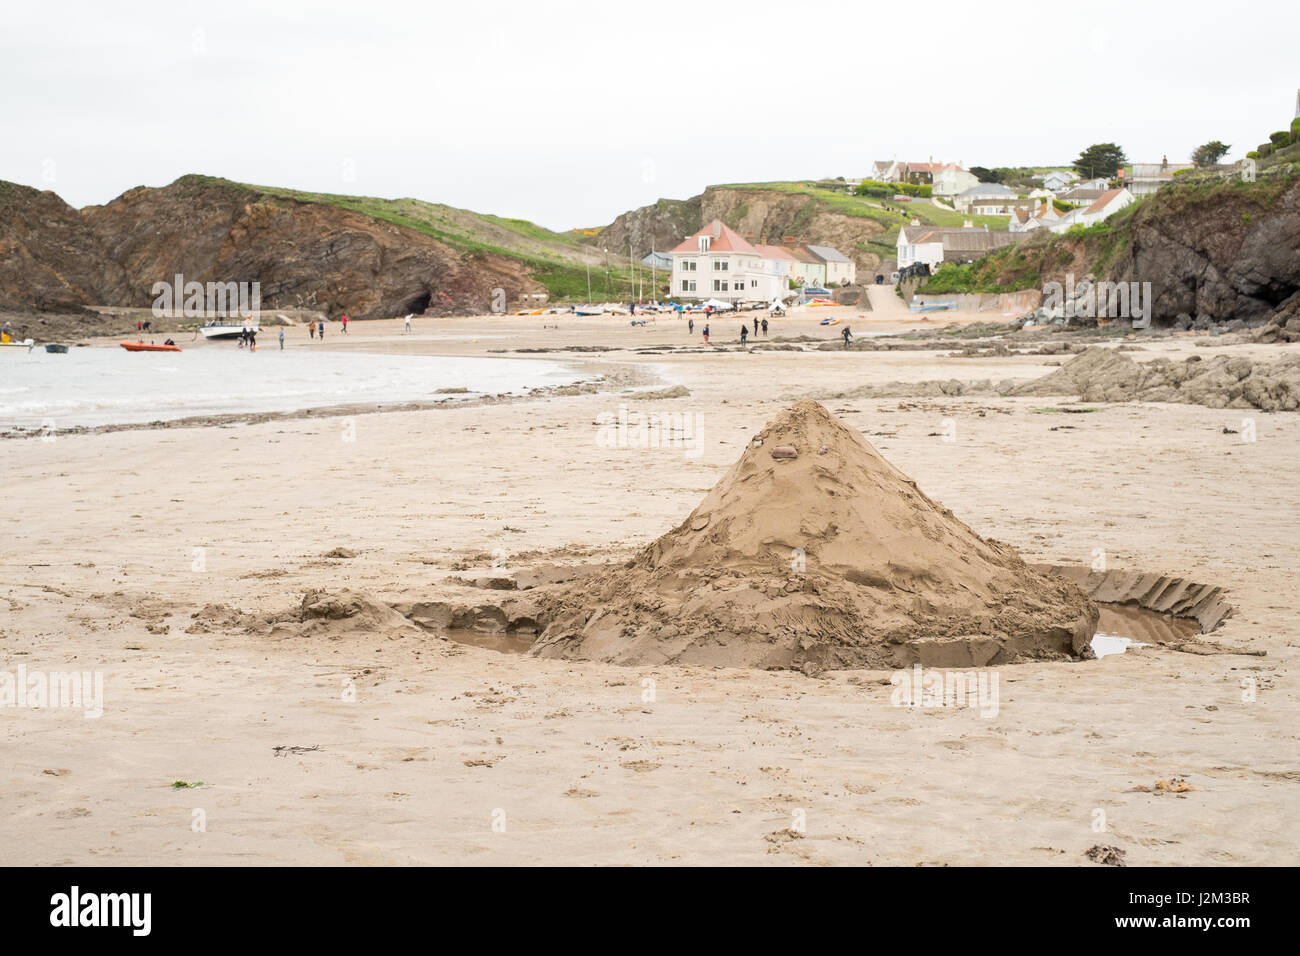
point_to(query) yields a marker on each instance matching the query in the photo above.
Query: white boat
(228, 328)
(589, 310)
(11, 346)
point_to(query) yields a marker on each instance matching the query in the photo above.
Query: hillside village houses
(1148, 177)
(934, 245)
(718, 263)
(945, 179)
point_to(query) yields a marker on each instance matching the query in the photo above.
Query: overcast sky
(568, 113)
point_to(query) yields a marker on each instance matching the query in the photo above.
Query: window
(719, 285)
(688, 285)
(721, 265)
(688, 265)
(753, 283)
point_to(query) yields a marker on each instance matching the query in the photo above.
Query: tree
(1100, 159)
(983, 174)
(1210, 153)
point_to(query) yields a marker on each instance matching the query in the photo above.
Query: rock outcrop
(303, 254)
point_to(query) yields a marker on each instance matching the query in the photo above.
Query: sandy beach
(393, 745)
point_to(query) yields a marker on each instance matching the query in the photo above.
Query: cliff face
(1231, 252)
(658, 227)
(768, 215)
(302, 254)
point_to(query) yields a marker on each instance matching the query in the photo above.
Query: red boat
(141, 347)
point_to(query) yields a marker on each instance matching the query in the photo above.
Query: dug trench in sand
(814, 552)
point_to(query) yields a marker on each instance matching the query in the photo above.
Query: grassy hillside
(557, 260)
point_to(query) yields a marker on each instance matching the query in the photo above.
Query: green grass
(557, 260)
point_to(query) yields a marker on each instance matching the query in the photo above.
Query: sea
(93, 386)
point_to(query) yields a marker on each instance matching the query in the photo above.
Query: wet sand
(434, 752)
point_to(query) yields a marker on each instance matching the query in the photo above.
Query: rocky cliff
(1213, 252)
(768, 215)
(303, 254)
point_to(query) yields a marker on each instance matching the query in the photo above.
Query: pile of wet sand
(815, 552)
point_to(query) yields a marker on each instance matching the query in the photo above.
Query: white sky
(569, 112)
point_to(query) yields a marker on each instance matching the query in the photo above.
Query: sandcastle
(814, 551)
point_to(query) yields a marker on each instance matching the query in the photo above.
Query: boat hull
(142, 347)
(224, 331)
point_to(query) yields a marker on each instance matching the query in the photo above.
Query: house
(934, 245)
(658, 260)
(962, 201)
(1000, 207)
(1057, 179)
(840, 269)
(1044, 216)
(782, 265)
(717, 263)
(952, 180)
(885, 172)
(1080, 196)
(1148, 177)
(808, 269)
(1101, 208)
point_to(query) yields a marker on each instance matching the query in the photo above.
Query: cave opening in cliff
(419, 303)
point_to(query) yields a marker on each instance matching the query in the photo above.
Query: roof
(991, 190)
(774, 252)
(722, 238)
(801, 254)
(1104, 200)
(931, 167)
(827, 254)
(1081, 195)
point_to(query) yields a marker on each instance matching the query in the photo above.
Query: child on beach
(344, 320)
(282, 340)
(706, 334)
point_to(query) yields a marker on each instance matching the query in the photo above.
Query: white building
(717, 263)
(1148, 177)
(962, 202)
(1102, 208)
(1056, 180)
(952, 180)
(840, 269)
(934, 245)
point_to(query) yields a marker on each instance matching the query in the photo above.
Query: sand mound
(831, 558)
(1104, 375)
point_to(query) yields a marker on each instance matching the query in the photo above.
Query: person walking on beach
(756, 325)
(744, 334)
(690, 326)
(408, 325)
(320, 327)
(281, 339)
(765, 327)
(847, 335)
(344, 320)
(311, 329)
(706, 333)
(252, 340)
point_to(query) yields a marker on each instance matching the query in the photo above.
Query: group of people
(744, 329)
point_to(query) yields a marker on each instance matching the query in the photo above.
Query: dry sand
(423, 745)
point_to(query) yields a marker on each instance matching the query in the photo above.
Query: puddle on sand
(517, 643)
(1123, 626)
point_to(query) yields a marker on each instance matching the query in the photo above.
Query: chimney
(717, 228)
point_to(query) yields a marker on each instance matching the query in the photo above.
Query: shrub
(1280, 138)
(1253, 154)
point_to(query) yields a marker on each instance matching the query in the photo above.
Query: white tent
(719, 304)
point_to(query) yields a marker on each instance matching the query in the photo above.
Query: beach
(393, 745)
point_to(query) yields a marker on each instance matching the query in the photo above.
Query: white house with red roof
(1103, 207)
(718, 263)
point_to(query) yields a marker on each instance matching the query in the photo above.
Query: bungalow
(1080, 196)
(1056, 180)
(1000, 207)
(1025, 221)
(885, 172)
(933, 245)
(840, 269)
(962, 202)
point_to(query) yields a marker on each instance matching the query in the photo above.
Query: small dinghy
(142, 347)
(56, 348)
